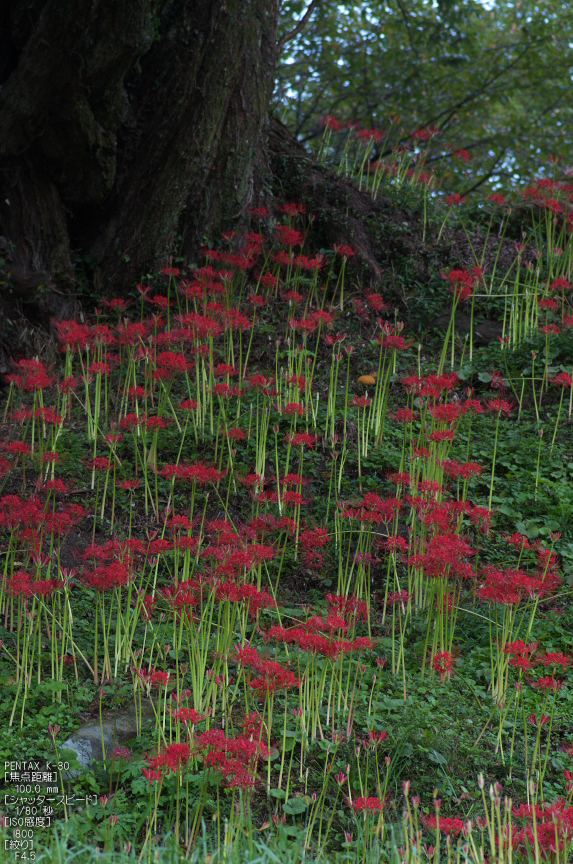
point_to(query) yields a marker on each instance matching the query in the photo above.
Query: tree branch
(486, 177)
(298, 29)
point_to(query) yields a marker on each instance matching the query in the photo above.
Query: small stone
(88, 742)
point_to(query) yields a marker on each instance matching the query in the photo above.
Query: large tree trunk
(123, 124)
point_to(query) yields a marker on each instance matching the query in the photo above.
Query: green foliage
(493, 78)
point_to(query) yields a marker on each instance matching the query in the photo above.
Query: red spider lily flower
(17, 447)
(446, 825)
(456, 470)
(151, 423)
(293, 408)
(234, 758)
(188, 405)
(394, 342)
(349, 607)
(330, 122)
(267, 280)
(373, 509)
(129, 485)
(101, 334)
(440, 436)
(130, 421)
(404, 415)
(454, 200)
(292, 209)
(462, 156)
(158, 678)
(68, 384)
(253, 726)
(107, 576)
(223, 390)
(343, 251)
(173, 758)
(250, 480)
(373, 805)
(548, 303)
(520, 648)
(377, 302)
(396, 543)
(448, 414)
(549, 829)
(543, 720)
(72, 335)
(309, 263)
(521, 663)
(48, 415)
(259, 382)
(160, 301)
(293, 498)
(113, 438)
(193, 473)
(283, 259)
(498, 200)
(517, 540)
(548, 683)
(564, 379)
(360, 402)
(224, 369)
(173, 362)
(99, 368)
(556, 659)
(158, 547)
(33, 376)
(307, 325)
(560, 284)
(188, 715)
(443, 662)
(293, 297)
(294, 480)
(272, 676)
(116, 303)
(370, 135)
(425, 134)
(499, 405)
(288, 236)
(56, 485)
(322, 317)
(461, 283)
(152, 776)
(236, 434)
(298, 380)
(398, 598)
(259, 212)
(302, 439)
(100, 463)
(326, 625)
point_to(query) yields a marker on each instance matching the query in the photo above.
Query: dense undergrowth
(335, 558)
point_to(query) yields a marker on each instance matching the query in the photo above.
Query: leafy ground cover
(335, 556)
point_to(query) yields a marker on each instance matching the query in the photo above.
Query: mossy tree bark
(124, 124)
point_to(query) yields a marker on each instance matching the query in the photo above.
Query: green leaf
(296, 806)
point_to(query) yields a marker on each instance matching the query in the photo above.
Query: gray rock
(484, 332)
(95, 740)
